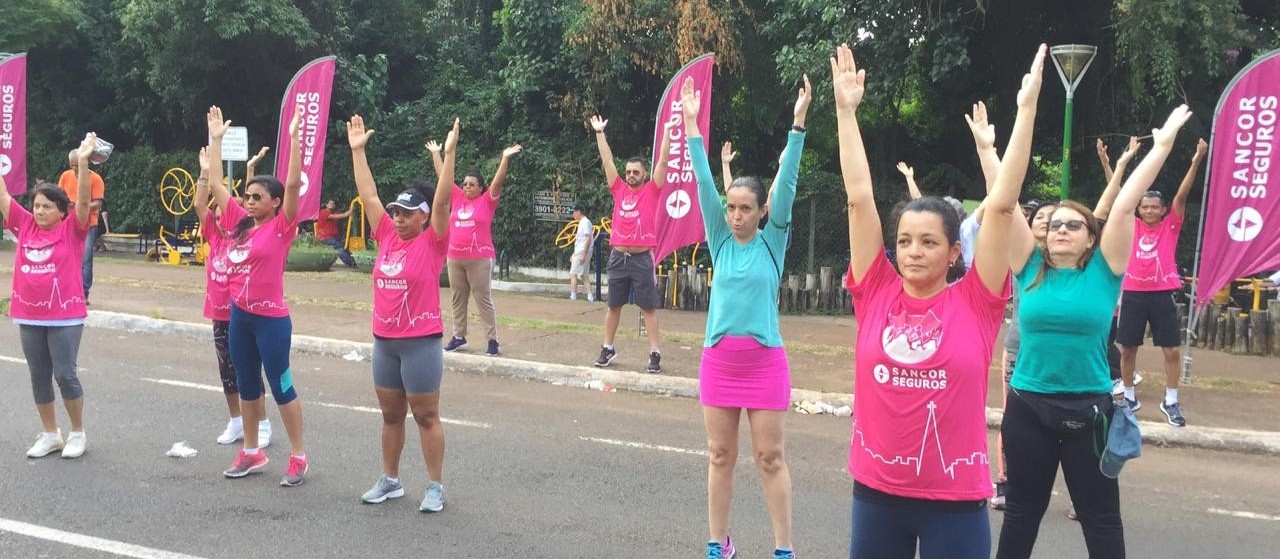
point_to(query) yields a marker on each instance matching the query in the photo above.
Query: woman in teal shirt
(743, 363)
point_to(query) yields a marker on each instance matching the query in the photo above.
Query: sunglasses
(256, 197)
(1072, 225)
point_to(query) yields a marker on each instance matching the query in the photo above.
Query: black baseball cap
(410, 199)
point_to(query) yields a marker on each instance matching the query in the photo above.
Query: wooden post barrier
(1273, 309)
(1258, 334)
(1241, 327)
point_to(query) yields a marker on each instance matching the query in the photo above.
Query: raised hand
(690, 100)
(253, 161)
(217, 126)
(512, 150)
(726, 152)
(598, 123)
(451, 141)
(1165, 135)
(1130, 150)
(357, 135)
(1201, 148)
(848, 81)
(984, 132)
(906, 170)
(434, 146)
(204, 160)
(803, 98)
(1102, 150)
(295, 125)
(86, 147)
(1029, 94)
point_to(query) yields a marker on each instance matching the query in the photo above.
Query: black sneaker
(655, 363)
(1135, 405)
(455, 343)
(1173, 414)
(998, 502)
(493, 348)
(607, 355)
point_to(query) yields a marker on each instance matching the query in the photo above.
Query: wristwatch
(799, 129)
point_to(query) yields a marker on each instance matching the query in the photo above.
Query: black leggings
(222, 348)
(1033, 453)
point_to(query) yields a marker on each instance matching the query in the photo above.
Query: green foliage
(1168, 42)
(27, 23)
(133, 187)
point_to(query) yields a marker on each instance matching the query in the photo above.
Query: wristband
(798, 128)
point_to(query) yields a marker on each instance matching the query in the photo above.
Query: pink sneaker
(297, 471)
(246, 464)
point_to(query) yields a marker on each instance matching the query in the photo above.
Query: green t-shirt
(1064, 323)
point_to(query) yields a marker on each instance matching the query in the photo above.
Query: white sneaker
(1117, 387)
(573, 296)
(1137, 378)
(233, 432)
(46, 444)
(264, 433)
(75, 445)
(591, 297)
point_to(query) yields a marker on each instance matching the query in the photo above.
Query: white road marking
(1246, 514)
(13, 360)
(89, 542)
(645, 446)
(363, 409)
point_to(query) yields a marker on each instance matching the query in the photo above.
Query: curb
(609, 380)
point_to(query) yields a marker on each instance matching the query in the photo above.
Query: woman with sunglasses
(260, 330)
(1060, 393)
(924, 348)
(48, 303)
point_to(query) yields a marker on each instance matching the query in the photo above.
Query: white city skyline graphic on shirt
(976, 458)
(55, 299)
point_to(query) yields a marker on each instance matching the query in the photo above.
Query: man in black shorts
(635, 206)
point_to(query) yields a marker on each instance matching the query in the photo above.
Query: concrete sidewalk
(1234, 392)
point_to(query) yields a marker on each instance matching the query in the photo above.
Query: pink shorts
(738, 372)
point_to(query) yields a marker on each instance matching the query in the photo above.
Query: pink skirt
(738, 372)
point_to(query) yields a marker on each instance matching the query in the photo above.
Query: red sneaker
(246, 464)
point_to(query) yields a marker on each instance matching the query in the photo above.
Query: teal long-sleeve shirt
(745, 278)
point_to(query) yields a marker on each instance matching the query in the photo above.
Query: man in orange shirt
(327, 231)
(68, 182)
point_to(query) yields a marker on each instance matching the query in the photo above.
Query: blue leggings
(261, 343)
(887, 531)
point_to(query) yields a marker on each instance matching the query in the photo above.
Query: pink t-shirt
(920, 378)
(635, 213)
(256, 275)
(471, 225)
(217, 295)
(406, 282)
(47, 285)
(1151, 263)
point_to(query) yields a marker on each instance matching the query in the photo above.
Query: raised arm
(444, 183)
(217, 129)
(606, 154)
(500, 177)
(437, 162)
(1184, 189)
(84, 194)
(992, 254)
(253, 163)
(984, 140)
(1117, 236)
(866, 239)
(200, 200)
(659, 174)
(713, 217)
(358, 138)
(782, 193)
(913, 189)
(726, 157)
(1104, 159)
(293, 182)
(1103, 209)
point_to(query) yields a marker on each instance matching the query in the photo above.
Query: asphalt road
(532, 471)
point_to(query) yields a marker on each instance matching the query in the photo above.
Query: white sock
(264, 423)
(81, 433)
(1170, 396)
(251, 451)
(393, 479)
(609, 347)
(237, 421)
(1130, 393)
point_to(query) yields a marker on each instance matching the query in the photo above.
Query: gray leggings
(413, 365)
(51, 355)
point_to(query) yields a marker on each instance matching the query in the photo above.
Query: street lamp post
(1072, 61)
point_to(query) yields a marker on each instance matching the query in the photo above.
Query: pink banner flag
(13, 122)
(680, 224)
(311, 88)
(1241, 231)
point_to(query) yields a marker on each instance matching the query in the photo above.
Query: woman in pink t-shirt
(260, 331)
(918, 454)
(471, 251)
(47, 302)
(408, 360)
